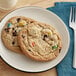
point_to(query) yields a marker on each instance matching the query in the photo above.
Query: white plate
(23, 63)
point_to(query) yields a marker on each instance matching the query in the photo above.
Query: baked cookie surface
(10, 32)
(40, 41)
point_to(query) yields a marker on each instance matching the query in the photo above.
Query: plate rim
(68, 35)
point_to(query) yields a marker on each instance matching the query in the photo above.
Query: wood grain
(6, 70)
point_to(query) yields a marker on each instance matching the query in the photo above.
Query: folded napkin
(62, 9)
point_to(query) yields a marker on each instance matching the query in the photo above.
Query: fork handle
(74, 57)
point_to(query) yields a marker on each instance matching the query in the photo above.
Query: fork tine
(72, 14)
(75, 14)
(72, 17)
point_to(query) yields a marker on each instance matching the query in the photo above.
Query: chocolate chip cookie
(10, 32)
(40, 41)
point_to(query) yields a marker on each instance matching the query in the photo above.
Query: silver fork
(72, 24)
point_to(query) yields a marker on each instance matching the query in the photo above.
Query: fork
(72, 24)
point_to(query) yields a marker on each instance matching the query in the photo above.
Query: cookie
(40, 41)
(10, 32)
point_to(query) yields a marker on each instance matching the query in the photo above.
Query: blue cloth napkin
(62, 9)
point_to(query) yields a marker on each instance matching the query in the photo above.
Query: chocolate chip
(13, 42)
(14, 33)
(18, 19)
(59, 50)
(31, 21)
(7, 29)
(29, 50)
(23, 36)
(44, 37)
(13, 28)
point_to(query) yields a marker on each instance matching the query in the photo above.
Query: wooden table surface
(6, 70)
